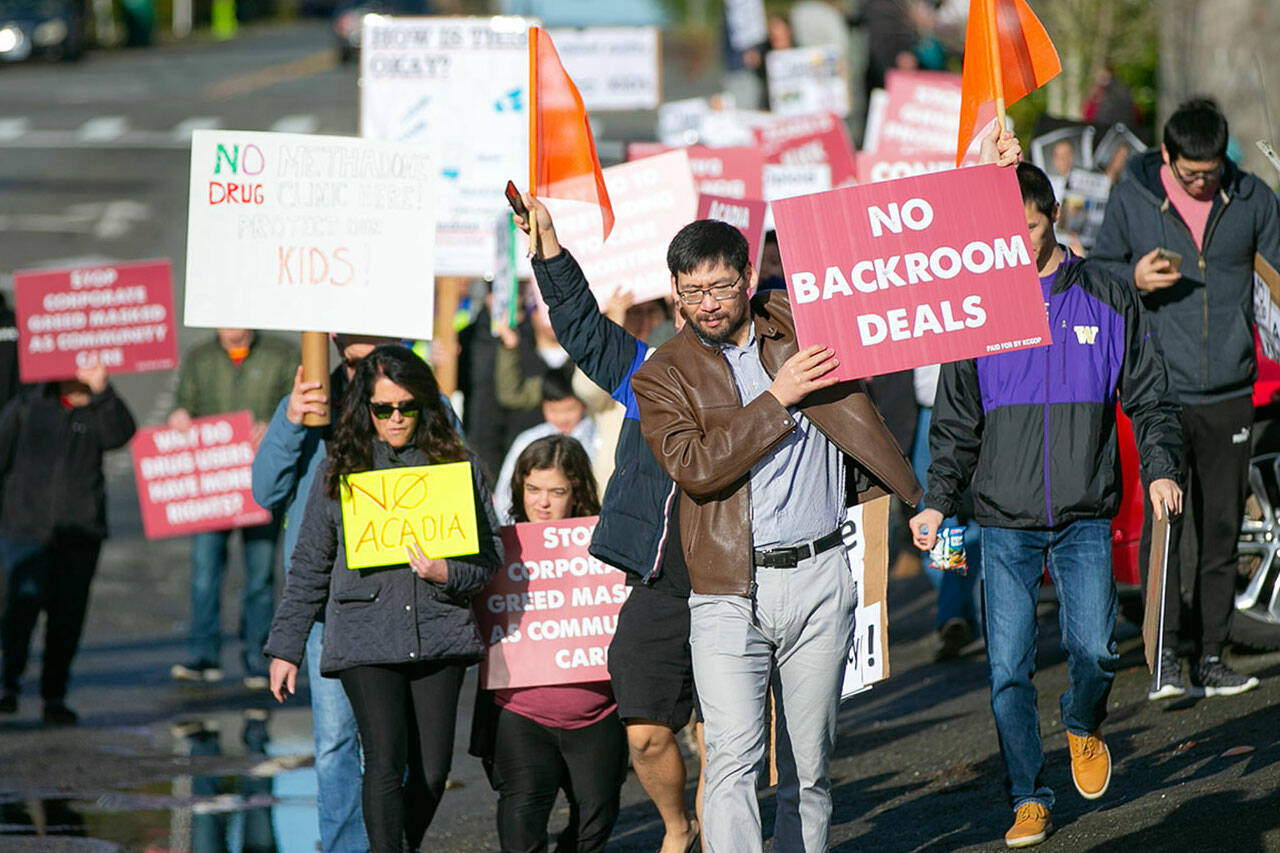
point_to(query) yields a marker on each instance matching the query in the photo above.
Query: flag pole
(533, 139)
(993, 46)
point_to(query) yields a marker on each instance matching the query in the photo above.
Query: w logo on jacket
(1086, 334)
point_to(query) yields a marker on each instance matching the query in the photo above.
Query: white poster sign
(458, 86)
(614, 68)
(653, 198)
(788, 180)
(746, 21)
(866, 531)
(312, 233)
(808, 80)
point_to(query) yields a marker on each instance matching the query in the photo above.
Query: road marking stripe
(296, 124)
(182, 130)
(243, 84)
(102, 128)
(12, 128)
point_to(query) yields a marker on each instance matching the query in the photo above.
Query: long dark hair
(566, 455)
(351, 449)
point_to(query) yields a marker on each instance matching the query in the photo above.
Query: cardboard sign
(548, 616)
(614, 68)
(1153, 609)
(866, 542)
(919, 271)
(652, 199)
(198, 480)
(458, 87)
(747, 215)
(317, 233)
(120, 316)
(1266, 306)
(804, 139)
(808, 80)
(431, 506)
(745, 19)
(732, 172)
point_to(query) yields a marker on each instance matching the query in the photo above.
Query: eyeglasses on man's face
(383, 411)
(1190, 176)
(720, 292)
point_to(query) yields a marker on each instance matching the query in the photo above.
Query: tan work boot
(1090, 764)
(1030, 826)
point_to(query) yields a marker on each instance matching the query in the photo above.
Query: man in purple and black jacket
(1033, 433)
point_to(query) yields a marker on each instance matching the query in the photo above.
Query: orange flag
(562, 154)
(1007, 56)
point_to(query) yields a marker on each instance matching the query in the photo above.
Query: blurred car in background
(350, 13)
(47, 28)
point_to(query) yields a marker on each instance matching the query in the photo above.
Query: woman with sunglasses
(399, 637)
(565, 736)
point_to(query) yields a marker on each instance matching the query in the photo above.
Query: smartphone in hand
(513, 199)
(1174, 258)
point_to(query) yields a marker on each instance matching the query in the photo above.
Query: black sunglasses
(382, 411)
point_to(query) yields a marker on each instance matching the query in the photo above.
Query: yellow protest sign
(431, 506)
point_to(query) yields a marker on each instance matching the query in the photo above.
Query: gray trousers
(803, 626)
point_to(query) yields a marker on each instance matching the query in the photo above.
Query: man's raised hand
(305, 399)
(805, 372)
(547, 242)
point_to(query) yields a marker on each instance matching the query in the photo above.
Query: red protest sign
(747, 215)
(119, 315)
(548, 615)
(734, 172)
(803, 139)
(912, 127)
(904, 273)
(196, 480)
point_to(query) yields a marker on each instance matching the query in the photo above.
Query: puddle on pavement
(271, 808)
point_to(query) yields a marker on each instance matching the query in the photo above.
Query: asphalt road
(92, 166)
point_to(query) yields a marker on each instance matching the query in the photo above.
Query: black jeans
(532, 762)
(55, 578)
(406, 714)
(1216, 445)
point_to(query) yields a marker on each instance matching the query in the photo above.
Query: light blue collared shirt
(797, 490)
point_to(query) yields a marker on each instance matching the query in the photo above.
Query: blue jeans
(1079, 560)
(337, 757)
(208, 565)
(957, 594)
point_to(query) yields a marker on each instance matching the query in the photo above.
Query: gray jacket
(1204, 321)
(384, 615)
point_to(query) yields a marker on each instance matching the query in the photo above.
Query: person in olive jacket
(52, 522)
(399, 637)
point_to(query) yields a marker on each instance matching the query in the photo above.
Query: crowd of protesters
(689, 426)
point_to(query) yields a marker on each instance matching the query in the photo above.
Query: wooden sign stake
(315, 368)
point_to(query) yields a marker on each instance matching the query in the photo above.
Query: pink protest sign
(747, 215)
(196, 480)
(549, 614)
(912, 129)
(734, 172)
(119, 315)
(917, 271)
(815, 138)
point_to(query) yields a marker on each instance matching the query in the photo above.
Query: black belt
(789, 558)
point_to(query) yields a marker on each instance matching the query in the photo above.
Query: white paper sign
(866, 664)
(312, 233)
(614, 68)
(787, 180)
(746, 22)
(1266, 313)
(653, 198)
(458, 86)
(808, 80)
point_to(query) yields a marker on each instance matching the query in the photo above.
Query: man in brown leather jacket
(768, 452)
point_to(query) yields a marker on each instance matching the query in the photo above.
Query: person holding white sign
(563, 736)
(400, 637)
(1033, 433)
